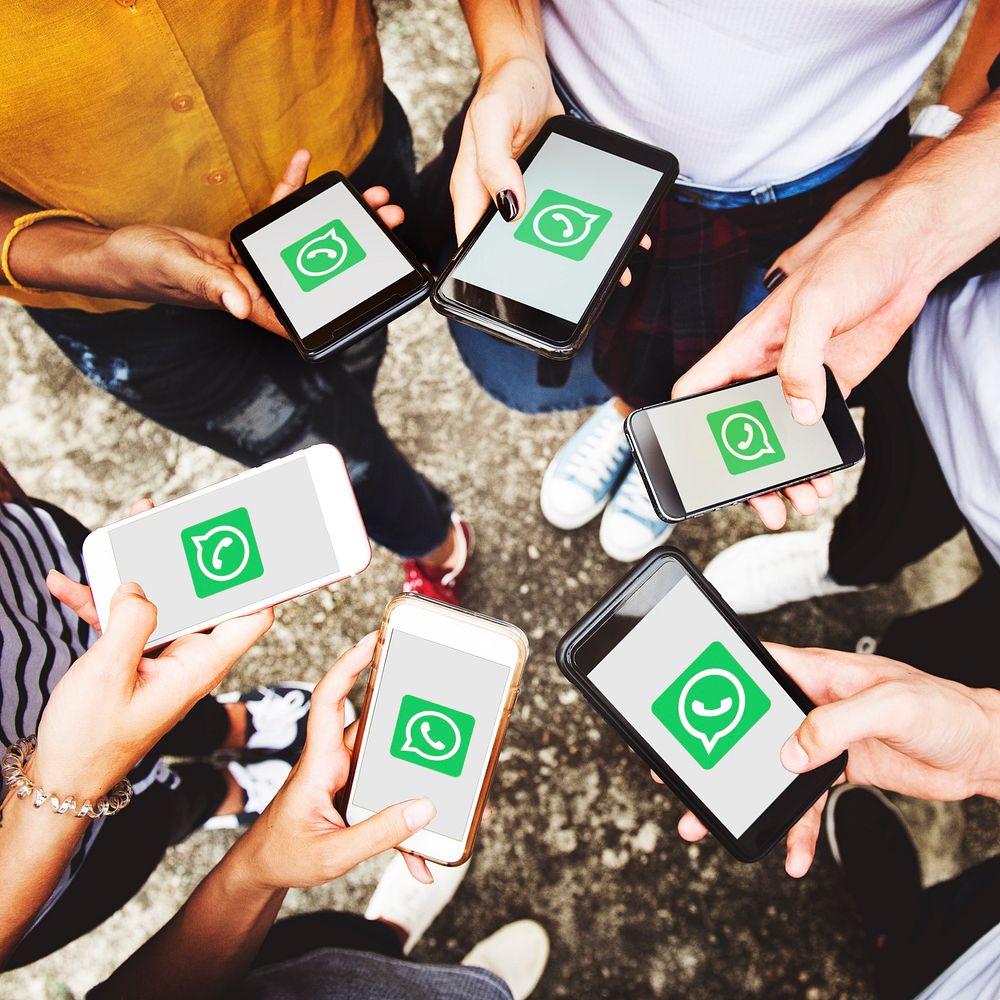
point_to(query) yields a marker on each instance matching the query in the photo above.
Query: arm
(300, 840)
(966, 85)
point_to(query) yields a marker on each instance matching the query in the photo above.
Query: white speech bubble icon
(444, 753)
(337, 256)
(212, 568)
(741, 449)
(563, 214)
(709, 742)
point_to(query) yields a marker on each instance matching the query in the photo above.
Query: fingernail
(507, 205)
(418, 813)
(803, 410)
(793, 757)
(229, 301)
(773, 278)
(131, 587)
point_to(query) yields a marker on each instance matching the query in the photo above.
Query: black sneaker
(872, 844)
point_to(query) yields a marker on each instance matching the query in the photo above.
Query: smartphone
(542, 282)
(699, 699)
(330, 268)
(250, 542)
(442, 687)
(717, 448)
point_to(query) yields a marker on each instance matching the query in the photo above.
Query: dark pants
(299, 935)
(947, 920)
(130, 845)
(903, 510)
(227, 384)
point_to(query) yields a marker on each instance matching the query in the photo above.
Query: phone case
(493, 624)
(592, 621)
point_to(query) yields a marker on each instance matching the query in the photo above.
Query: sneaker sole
(560, 520)
(629, 555)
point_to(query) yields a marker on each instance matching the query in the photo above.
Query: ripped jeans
(246, 393)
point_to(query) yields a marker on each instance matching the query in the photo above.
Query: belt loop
(763, 195)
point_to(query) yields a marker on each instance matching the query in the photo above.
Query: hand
(904, 730)
(301, 839)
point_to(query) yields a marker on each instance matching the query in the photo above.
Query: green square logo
(711, 706)
(322, 254)
(745, 437)
(432, 735)
(222, 552)
(562, 224)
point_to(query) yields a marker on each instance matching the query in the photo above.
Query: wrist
(245, 871)
(987, 780)
(83, 780)
(59, 254)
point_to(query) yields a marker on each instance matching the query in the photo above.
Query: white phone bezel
(424, 621)
(341, 517)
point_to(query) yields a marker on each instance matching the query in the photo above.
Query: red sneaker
(442, 582)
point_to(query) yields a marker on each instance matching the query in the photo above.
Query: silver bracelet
(12, 765)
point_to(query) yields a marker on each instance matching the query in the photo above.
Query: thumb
(378, 833)
(494, 128)
(213, 284)
(800, 366)
(131, 622)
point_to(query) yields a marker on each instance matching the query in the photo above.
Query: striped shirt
(40, 638)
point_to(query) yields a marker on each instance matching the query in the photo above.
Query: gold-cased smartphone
(442, 687)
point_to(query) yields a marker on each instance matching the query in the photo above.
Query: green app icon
(562, 224)
(322, 254)
(432, 735)
(745, 437)
(711, 706)
(222, 552)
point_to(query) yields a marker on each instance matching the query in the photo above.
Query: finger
(131, 621)
(770, 509)
(386, 829)
(803, 497)
(376, 196)
(800, 844)
(325, 728)
(646, 243)
(392, 215)
(691, 828)
(140, 507)
(294, 176)
(209, 283)
(350, 736)
(469, 197)
(823, 485)
(813, 321)
(417, 867)
(626, 279)
(656, 777)
(76, 596)
(494, 126)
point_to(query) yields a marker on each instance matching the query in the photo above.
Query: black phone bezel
(517, 323)
(377, 310)
(778, 817)
(659, 481)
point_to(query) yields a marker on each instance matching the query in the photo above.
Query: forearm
(36, 845)
(967, 86)
(505, 29)
(208, 945)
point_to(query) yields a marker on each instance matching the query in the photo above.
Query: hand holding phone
(441, 691)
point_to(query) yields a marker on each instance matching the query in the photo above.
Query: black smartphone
(717, 448)
(668, 664)
(329, 266)
(542, 282)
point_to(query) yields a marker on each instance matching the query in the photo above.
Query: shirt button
(182, 102)
(129, 4)
(216, 177)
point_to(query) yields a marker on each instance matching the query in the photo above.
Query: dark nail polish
(774, 278)
(507, 205)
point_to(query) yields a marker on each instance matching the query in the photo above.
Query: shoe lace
(592, 462)
(632, 499)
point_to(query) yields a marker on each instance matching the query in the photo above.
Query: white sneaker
(630, 527)
(407, 903)
(579, 480)
(767, 571)
(260, 782)
(517, 953)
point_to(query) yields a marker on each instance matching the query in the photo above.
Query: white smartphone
(442, 687)
(265, 536)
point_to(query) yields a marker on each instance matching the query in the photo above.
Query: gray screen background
(693, 457)
(289, 526)
(418, 666)
(660, 648)
(548, 281)
(308, 311)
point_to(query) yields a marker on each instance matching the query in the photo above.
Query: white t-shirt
(955, 382)
(974, 975)
(746, 92)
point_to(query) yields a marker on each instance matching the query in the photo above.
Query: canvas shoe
(260, 782)
(518, 953)
(630, 527)
(443, 583)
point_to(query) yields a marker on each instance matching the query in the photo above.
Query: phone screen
(325, 257)
(582, 205)
(430, 729)
(699, 696)
(229, 548)
(738, 441)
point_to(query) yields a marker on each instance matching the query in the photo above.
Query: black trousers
(903, 510)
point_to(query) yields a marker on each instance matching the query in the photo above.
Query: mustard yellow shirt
(183, 112)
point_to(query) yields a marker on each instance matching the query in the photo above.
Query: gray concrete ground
(580, 838)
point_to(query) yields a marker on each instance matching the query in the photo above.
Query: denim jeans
(244, 392)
